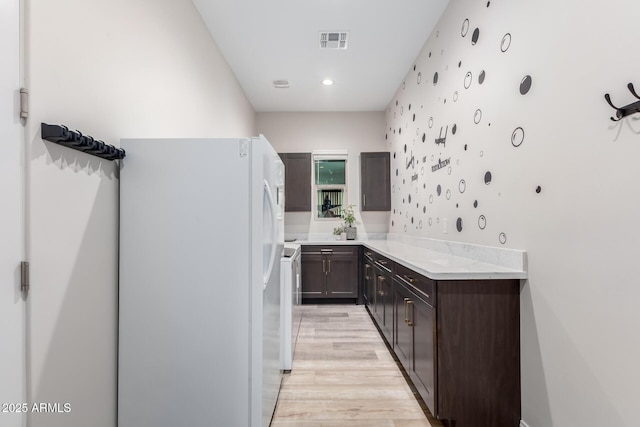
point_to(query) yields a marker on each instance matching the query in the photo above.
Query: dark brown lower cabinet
(384, 302)
(459, 342)
(330, 272)
(415, 341)
(478, 361)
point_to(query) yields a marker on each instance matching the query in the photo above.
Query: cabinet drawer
(425, 286)
(382, 262)
(368, 254)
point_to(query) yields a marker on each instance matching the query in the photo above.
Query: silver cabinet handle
(324, 269)
(410, 322)
(364, 200)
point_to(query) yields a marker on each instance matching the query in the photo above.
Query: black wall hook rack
(622, 112)
(60, 134)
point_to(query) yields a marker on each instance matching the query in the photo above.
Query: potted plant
(339, 233)
(349, 218)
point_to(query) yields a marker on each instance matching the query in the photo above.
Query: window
(330, 182)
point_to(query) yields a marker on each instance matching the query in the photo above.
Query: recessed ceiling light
(281, 84)
(327, 82)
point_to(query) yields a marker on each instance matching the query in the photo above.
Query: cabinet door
(313, 275)
(403, 337)
(297, 181)
(375, 181)
(386, 296)
(422, 319)
(342, 272)
(369, 283)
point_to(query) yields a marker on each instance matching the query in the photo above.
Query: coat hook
(627, 110)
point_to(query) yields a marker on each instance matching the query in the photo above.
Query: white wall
(12, 323)
(111, 69)
(579, 315)
(305, 132)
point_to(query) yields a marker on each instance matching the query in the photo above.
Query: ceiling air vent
(333, 39)
(281, 84)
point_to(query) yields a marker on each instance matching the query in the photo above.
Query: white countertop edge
(444, 264)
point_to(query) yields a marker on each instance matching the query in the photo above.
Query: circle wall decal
(459, 224)
(538, 189)
(467, 80)
(465, 28)
(454, 129)
(462, 186)
(430, 122)
(477, 117)
(419, 77)
(525, 85)
(481, 77)
(517, 137)
(487, 178)
(475, 36)
(502, 238)
(482, 222)
(506, 42)
(435, 78)
(455, 96)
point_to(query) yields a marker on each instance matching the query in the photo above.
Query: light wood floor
(343, 375)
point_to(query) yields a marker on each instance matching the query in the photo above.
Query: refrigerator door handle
(274, 233)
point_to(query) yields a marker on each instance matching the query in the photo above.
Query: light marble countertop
(442, 260)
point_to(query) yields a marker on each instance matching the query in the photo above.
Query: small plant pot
(352, 233)
(343, 236)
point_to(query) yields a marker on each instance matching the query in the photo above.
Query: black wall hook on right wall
(622, 112)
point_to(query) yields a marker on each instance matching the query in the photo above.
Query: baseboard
(523, 424)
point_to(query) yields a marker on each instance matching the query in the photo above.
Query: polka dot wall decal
(448, 194)
(409, 107)
(525, 85)
(405, 148)
(481, 77)
(454, 129)
(482, 222)
(424, 137)
(502, 238)
(439, 189)
(488, 3)
(465, 148)
(475, 36)
(538, 189)
(467, 80)
(459, 64)
(430, 222)
(465, 28)
(409, 198)
(455, 96)
(396, 172)
(430, 199)
(393, 223)
(517, 137)
(414, 117)
(481, 153)
(394, 155)
(475, 203)
(477, 117)
(462, 185)
(430, 122)
(422, 171)
(487, 178)
(506, 42)
(424, 209)
(429, 54)
(419, 79)
(459, 224)
(411, 220)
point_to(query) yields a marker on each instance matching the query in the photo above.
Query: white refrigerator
(201, 237)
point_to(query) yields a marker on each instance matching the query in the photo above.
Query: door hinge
(24, 276)
(24, 103)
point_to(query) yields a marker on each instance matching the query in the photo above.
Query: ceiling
(267, 40)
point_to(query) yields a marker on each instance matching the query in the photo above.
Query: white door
(12, 390)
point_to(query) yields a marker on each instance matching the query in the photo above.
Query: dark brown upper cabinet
(375, 181)
(297, 181)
